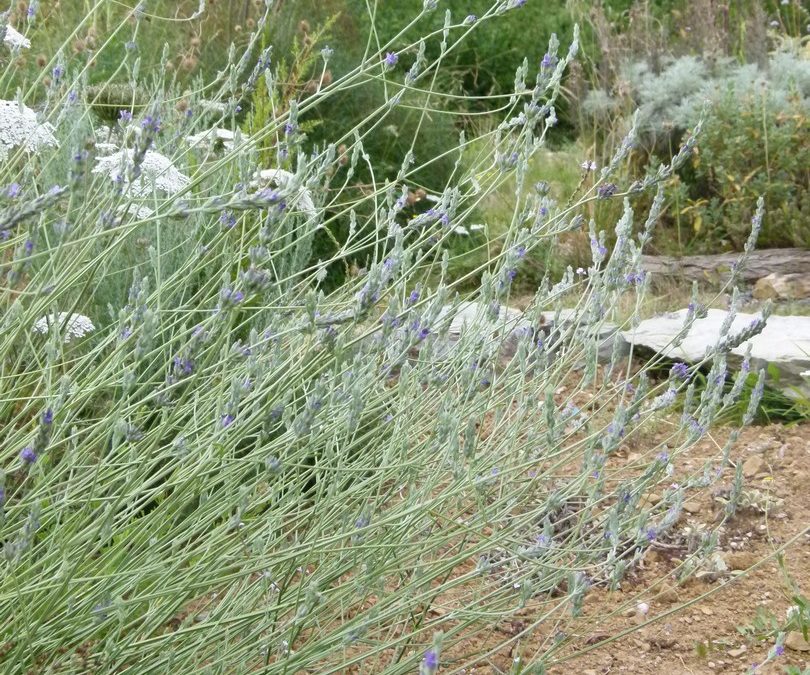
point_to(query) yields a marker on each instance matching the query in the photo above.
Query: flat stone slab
(784, 342)
(512, 323)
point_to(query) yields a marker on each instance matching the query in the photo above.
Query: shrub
(754, 144)
(210, 462)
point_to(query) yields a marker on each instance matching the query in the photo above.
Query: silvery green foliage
(673, 97)
(285, 468)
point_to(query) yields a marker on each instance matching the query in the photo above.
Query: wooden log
(716, 268)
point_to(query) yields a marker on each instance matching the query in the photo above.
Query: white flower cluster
(74, 325)
(136, 211)
(214, 135)
(157, 172)
(287, 181)
(16, 40)
(19, 127)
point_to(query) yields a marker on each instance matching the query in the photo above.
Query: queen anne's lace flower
(287, 181)
(16, 40)
(211, 136)
(19, 127)
(74, 325)
(105, 148)
(157, 172)
(136, 211)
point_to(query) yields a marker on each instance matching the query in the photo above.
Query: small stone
(596, 638)
(795, 641)
(706, 611)
(711, 664)
(667, 593)
(753, 465)
(653, 556)
(589, 671)
(664, 642)
(651, 498)
(740, 560)
(736, 653)
(692, 507)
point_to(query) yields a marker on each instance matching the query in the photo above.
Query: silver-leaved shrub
(210, 462)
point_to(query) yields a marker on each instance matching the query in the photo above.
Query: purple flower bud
(431, 661)
(47, 417)
(13, 190)
(227, 420)
(227, 219)
(28, 455)
(680, 370)
(605, 191)
(549, 61)
(124, 116)
(391, 59)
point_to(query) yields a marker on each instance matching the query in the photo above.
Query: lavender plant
(209, 463)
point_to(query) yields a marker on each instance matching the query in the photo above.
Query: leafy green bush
(754, 143)
(749, 148)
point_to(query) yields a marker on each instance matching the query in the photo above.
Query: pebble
(736, 653)
(653, 556)
(740, 560)
(706, 611)
(692, 507)
(667, 593)
(795, 641)
(753, 465)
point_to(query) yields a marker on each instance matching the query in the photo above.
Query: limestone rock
(784, 343)
(783, 287)
(562, 325)
(474, 320)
